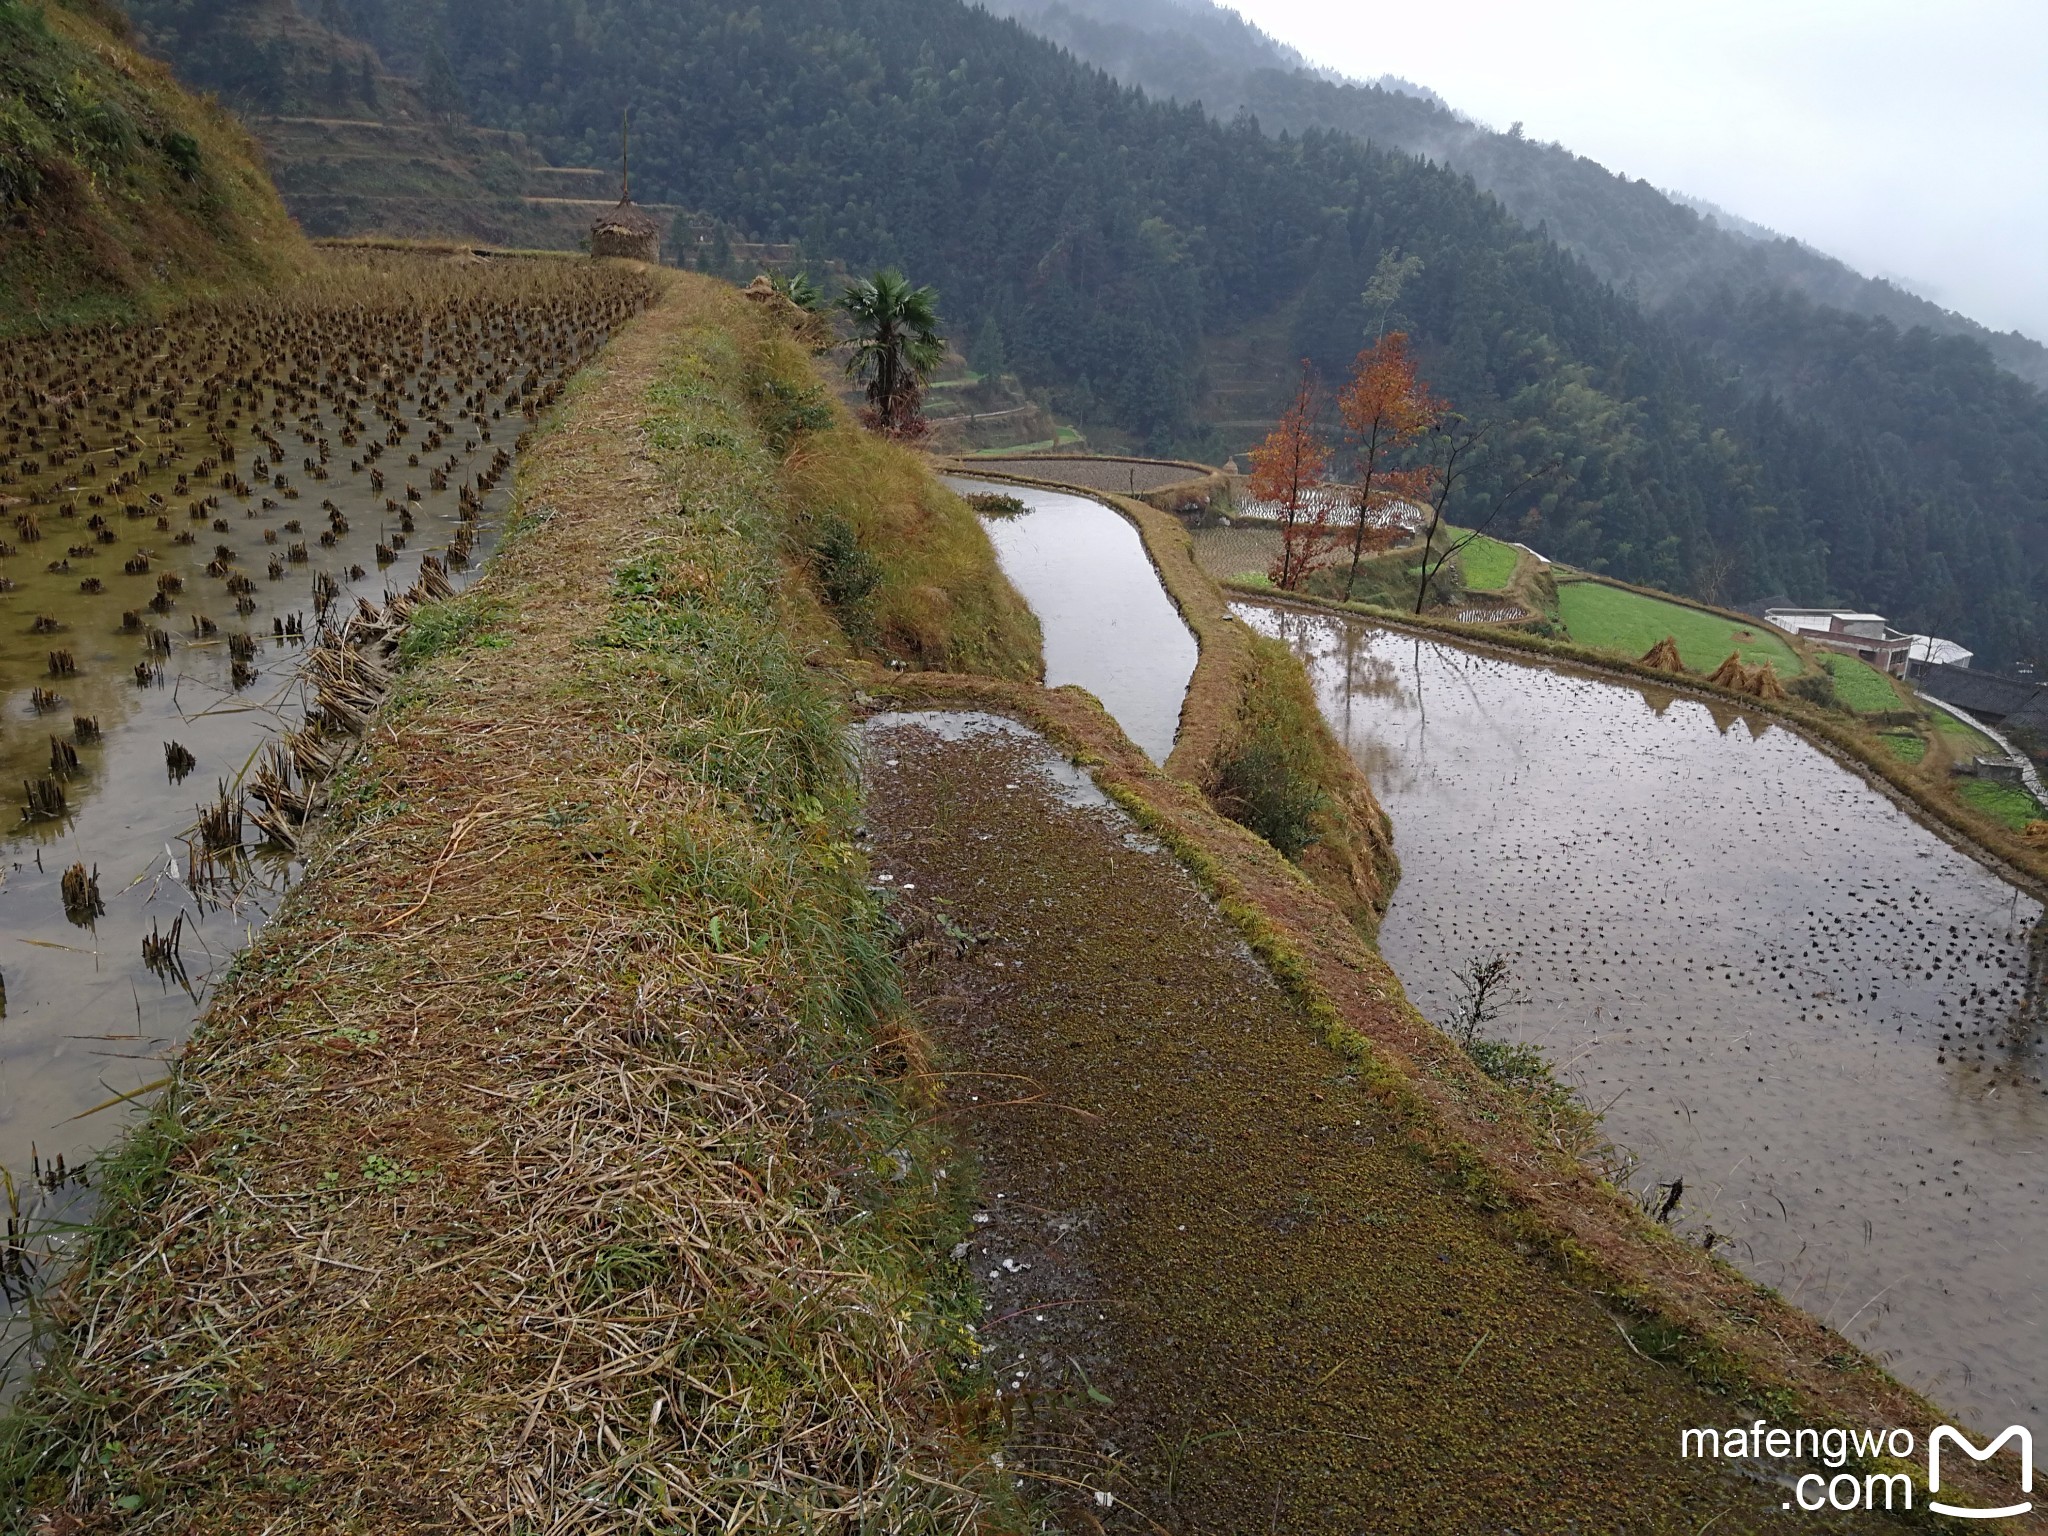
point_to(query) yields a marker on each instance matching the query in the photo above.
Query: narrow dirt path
(1220, 1287)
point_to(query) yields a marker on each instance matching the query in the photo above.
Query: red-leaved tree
(1288, 468)
(1386, 408)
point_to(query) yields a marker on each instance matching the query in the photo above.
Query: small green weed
(847, 574)
(386, 1175)
(474, 619)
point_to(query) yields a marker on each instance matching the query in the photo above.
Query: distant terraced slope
(357, 150)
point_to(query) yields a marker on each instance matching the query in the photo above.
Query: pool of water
(1108, 624)
(1778, 986)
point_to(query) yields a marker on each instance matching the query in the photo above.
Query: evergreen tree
(439, 87)
(985, 352)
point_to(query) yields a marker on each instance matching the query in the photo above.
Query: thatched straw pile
(1760, 681)
(1731, 674)
(1663, 656)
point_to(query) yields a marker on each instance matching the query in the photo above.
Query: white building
(1933, 650)
(1866, 636)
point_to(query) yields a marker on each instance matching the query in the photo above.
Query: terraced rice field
(1489, 565)
(1781, 989)
(1108, 624)
(191, 509)
(1862, 687)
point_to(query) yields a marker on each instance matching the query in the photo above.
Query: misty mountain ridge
(1734, 223)
(1657, 246)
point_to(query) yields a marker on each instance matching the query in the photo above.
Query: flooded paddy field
(187, 510)
(1108, 624)
(1779, 987)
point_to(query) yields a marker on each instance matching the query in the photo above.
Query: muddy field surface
(1780, 988)
(1229, 554)
(185, 506)
(1221, 1294)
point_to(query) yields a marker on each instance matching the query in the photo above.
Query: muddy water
(1781, 988)
(1109, 626)
(88, 1023)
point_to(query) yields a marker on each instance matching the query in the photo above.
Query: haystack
(809, 326)
(2036, 832)
(1731, 674)
(1759, 682)
(1663, 656)
(626, 231)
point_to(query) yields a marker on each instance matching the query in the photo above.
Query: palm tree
(798, 288)
(896, 347)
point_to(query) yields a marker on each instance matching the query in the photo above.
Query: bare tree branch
(1458, 450)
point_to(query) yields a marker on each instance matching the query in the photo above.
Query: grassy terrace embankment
(118, 189)
(549, 1163)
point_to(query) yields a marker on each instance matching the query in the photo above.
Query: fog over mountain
(1896, 135)
(1654, 243)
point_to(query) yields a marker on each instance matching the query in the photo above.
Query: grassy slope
(1610, 618)
(1968, 740)
(1489, 565)
(932, 602)
(116, 187)
(2009, 804)
(1862, 687)
(573, 1089)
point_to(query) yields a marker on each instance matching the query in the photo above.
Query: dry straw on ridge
(1664, 657)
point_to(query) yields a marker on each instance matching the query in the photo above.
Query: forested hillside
(115, 185)
(1630, 233)
(1113, 243)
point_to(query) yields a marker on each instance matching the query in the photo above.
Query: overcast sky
(1909, 139)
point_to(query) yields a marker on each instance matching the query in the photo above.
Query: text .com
(1878, 1480)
